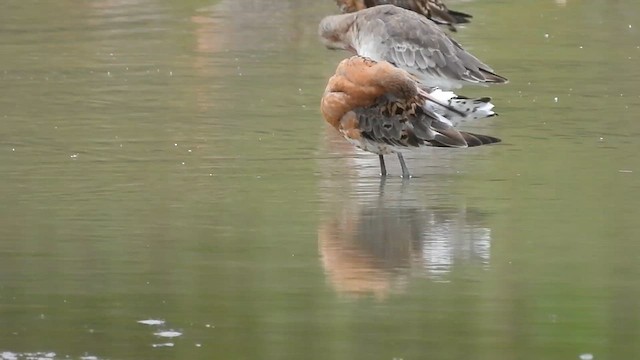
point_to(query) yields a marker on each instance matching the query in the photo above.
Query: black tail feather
(471, 139)
(492, 77)
(478, 139)
(460, 17)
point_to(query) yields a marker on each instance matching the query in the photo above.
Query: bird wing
(416, 44)
(402, 124)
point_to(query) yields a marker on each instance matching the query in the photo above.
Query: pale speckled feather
(468, 108)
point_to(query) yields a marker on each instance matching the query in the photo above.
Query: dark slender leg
(405, 171)
(383, 169)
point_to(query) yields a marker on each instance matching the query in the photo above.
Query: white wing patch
(473, 109)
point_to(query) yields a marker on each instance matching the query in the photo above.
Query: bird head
(335, 32)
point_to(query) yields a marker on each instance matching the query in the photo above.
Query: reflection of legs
(383, 181)
(405, 171)
(383, 169)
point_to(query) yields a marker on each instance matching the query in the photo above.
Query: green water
(167, 160)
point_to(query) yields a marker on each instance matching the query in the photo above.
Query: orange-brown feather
(348, 6)
(350, 126)
(360, 82)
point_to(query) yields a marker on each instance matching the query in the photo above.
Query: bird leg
(405, 170)
(383, 169)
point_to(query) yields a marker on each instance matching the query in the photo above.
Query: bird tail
(460, 17)
(466, 109)
(478, 139)
(491, 77)
(470, 138)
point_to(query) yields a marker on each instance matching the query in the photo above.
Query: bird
(409, 41)
(381, 109)
(435, 10)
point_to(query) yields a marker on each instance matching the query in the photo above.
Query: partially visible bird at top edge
(435, 10)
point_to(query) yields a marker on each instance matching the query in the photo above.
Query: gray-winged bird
(408, 41)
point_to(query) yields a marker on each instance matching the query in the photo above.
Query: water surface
(167, 161)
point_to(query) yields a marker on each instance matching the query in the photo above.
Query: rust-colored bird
(408, 41)
(381, 109)
(435, 10)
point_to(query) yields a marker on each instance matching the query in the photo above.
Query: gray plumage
(409, 41)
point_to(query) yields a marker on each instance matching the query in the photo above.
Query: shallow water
(167, 161)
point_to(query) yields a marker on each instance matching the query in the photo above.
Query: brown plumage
(435, 10)
(381, 109)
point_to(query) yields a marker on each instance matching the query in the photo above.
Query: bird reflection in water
(375, 246)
